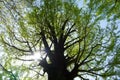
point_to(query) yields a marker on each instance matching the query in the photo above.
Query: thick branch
(74, 72)
(47, 49)
(53, 34)
(63, 28)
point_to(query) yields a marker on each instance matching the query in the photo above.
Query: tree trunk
(58, 74)
(57, 69)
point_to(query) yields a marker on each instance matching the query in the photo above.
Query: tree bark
(57, 69)
(58, 74)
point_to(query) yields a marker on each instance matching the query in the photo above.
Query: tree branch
(9, 72)
(37, 72)
(16, 47)
(63, 28)
(73, 42)
(29, 47)
(34, 44)
(84, 46)
(89, 71)
(89, 54)
(74, 71)
(71, 60)
(47, 49)
(81, 77)
(68, 32)
(53, 34)
(87, 61)
(21, 41)
(24, 59)
(64, 24)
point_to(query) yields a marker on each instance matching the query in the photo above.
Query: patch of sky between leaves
(103, 23)
(80, 3)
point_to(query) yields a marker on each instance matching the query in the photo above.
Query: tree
(72, 38)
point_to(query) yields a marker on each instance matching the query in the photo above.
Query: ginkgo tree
(69, 37)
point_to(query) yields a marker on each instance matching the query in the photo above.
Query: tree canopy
(75, 38)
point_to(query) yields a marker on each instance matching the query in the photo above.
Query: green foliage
(60, 24)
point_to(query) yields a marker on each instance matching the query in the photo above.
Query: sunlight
(36, 56)
(29, 59)
(76, 78)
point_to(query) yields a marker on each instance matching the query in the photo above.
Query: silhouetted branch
(21, 41)
(9, 72)
(79, 40)
(37, 72)
(81, 77)
(87, 61)
(34, 44)
(72, 40)
(62, 30)
(24, 59)
(16, 47)
(47, 49)
(29, 47)
(71, 60)
(84, 46)
(68, 32)
(52, 33)
(64, 24)
(89, 71)
(89, 54)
